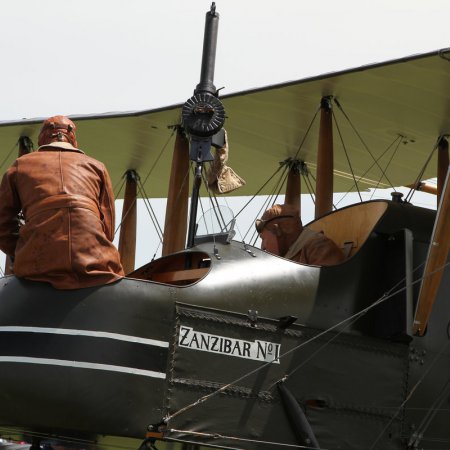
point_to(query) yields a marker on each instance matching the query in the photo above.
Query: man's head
(58, 129)
(278, 228)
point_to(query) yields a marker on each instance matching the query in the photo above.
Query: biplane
(218, 344)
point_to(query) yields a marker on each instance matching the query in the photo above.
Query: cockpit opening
(179, 269)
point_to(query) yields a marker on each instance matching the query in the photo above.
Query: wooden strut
(443, 163)
(423, 186)
(324, 180)
(175, 226)
(127, 239)
(25, 147)
(436, 260)
(293, 184)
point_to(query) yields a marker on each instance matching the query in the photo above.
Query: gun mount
(203, 115)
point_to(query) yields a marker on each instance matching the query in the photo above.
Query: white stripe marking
(82, 365)
(99, 334)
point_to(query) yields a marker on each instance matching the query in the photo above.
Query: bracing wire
(150, 210)
(315, 182)
(357, 315)
(159, 156)
(422, 171)
(152, 216)
(216, 207)
(303, 363)
(387, 166)
(362, 140)
(411, 393)
(310, 187)
(240, 439)
(280, 185)
(370, 167)
(307, 132)
(280, 167)
(346, 155)
(259, 190)
(148, 174)
(270, 200)
(434, 408)
(210, 201)
(116, 191)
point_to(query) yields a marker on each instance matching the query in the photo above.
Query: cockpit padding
(350, 227)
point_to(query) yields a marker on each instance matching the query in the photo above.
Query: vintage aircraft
(218, 344)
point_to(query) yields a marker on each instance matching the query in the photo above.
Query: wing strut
(175, 225)
(436, 260)
(127, 238)
(443, 163)
(324, 184)
(293, 183)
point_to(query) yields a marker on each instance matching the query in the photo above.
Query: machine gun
(203, 115)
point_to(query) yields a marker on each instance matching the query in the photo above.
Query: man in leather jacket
(67, 204)
(283, 234)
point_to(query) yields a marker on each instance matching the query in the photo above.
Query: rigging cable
(400, 282)
(235, 438)
(368, 170)
(414, 388)
(346, 155)
(215, 204)
(309, 186)
(362, 141)
(116, 196)
(430, 414)
(315, 182)
(259, 190)
(150, 171)
(307, 132)
(150, 210)
(159, 156)
(359, 314)
(422, 171)
(388, 164)
(117, 192)
(280, 167)
(270, 200)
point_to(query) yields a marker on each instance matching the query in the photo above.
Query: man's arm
(322, 251)
(9, 209)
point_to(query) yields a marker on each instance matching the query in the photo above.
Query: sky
(96, 56)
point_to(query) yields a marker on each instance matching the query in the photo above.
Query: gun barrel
(209, 52)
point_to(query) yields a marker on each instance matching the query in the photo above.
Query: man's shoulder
(43, 154)
(95, 162)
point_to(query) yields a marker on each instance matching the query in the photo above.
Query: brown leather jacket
(315, 248)
(67, 202)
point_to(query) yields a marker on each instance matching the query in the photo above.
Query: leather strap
(62, 201)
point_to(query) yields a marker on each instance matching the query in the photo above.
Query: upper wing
(408, 98)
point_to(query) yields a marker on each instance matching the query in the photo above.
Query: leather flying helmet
(58, 129)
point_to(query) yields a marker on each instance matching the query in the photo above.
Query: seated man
(67, 202)
(283, 234)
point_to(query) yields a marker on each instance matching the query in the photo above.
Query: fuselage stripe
(81, 365)
(98, 334)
